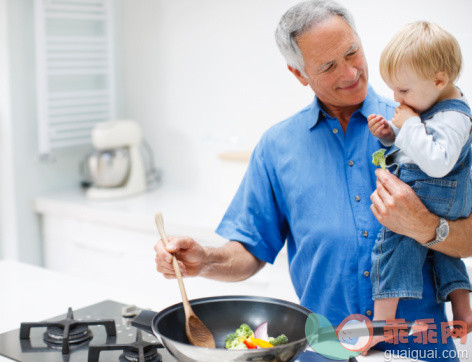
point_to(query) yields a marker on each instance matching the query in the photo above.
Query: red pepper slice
(249, 344)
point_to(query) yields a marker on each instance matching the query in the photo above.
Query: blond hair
(425, 48)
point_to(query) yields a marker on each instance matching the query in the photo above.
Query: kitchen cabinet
(112, 242)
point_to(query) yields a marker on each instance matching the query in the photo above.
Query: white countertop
(30, 293)
(184, 212)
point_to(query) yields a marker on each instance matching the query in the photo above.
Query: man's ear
(441, 80)
(299, 75)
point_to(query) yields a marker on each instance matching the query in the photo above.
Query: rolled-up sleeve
(254, 218)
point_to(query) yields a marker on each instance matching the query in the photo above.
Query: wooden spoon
(198, 334)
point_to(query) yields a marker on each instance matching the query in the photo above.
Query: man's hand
(379, 127)
(190, 256)
(397, 207)
(402, 113)
(231, 262)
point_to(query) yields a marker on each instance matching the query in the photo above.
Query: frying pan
(223, 315)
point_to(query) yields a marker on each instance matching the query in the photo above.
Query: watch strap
(431, 243)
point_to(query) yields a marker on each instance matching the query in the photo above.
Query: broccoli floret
(232, 341)
(279, 340)
(378, 158)
(235, 340)
(244, 331)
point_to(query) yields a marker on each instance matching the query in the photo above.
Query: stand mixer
(116, 166)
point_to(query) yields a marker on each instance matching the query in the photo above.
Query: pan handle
(377, 327)
(144, 322)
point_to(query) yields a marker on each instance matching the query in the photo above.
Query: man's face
(335, 65)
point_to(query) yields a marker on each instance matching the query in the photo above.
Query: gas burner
(139, 351)
(68, 331)
(78, 334)
(149, 356)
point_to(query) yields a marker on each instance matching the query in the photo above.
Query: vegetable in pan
(245, 338)
(236, 340)
(282, 339)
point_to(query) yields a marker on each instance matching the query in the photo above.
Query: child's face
(417, 93)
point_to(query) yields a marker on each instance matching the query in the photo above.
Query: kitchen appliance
(108, 336)
(132, 344)
(116, 167)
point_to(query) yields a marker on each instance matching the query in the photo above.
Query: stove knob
(130, 311)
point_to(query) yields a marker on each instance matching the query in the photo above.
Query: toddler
(431, 137)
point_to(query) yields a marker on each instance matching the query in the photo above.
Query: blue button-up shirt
(309, 184)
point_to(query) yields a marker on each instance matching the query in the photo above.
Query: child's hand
(402, 113)
(379, 127)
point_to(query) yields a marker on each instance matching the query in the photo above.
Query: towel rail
(75, 70)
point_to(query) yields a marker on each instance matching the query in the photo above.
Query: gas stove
(103, 332)
(98, 332)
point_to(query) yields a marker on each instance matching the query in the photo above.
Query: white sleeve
(388, 143)
(436, 156)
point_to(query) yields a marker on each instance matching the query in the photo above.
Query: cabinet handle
(94, 248)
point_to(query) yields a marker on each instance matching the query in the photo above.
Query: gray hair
(298, 19)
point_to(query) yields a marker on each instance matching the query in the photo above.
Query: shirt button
(366, 273)
(335, 130)
(351, 163)
(368, 312)
(357, 198)
(365, 233)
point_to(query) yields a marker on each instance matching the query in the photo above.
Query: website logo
(355, 333)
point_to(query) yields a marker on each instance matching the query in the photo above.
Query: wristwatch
(442, 231)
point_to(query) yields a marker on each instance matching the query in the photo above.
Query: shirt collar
(316, 112)
(369, 106)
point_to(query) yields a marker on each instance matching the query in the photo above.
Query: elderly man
(310, 183)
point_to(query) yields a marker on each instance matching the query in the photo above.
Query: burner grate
(138, 351)
(68, 331)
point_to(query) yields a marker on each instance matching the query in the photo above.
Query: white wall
(205, 76)
(7, 202)
(31, 177)
(199, 75)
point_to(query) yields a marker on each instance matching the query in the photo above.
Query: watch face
(443, 230)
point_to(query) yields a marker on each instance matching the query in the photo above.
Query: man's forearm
(458, 244)
(230, 263)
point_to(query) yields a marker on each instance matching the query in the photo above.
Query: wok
(223, 315)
